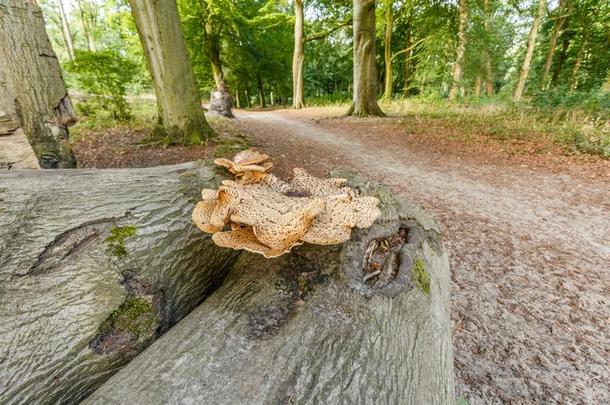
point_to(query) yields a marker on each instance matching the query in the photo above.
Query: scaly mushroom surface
(261, 213)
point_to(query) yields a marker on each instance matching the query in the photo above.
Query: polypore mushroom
(269, 216)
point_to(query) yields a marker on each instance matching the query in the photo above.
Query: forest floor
(528, 236)
(527, 227)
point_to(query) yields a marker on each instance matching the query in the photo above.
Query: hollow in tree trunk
(298, 98)
(34, 95)
(529, 53)
(364, 99)
(387, 51)
(180, 113)
(458, 70)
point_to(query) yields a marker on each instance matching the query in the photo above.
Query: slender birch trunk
(387, 54)
(529, 54)
(65, 28)
(458, 69)
(298, 98)
(557, 28)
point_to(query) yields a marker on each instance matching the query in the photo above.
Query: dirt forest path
(530, 254)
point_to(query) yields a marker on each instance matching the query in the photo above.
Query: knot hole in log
(379, 260)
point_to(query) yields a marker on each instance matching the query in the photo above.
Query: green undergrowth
(575, 128)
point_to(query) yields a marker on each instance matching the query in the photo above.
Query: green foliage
(116, 240)
(104, 75)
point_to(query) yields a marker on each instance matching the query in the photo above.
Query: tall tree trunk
(489, 77)
(477, 86)
(529, 53)
(579, 58)
(34, 93)
(261, 91)
(387, 51)
(458, 68)
(237, 98)
(364, 101)
(85, 25)
(248, 101)
(69, 294)
(298, 97)
(557, 28)
(180, 112)
(65, 29)
(562, 57)
(409, 65)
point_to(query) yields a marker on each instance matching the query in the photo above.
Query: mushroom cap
(269, 216)
(305, 183)
(244, 238)
(342, 213)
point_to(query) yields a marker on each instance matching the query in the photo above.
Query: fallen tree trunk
(94, 266)
(365, 322)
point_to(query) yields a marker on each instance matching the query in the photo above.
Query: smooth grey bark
(458, 69)
(32, 89)
(364, 100)
(74, 307)
(529, 53)
(178, 101)
(307, 328)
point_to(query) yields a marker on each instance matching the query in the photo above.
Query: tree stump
(363, 322)
(94, 266)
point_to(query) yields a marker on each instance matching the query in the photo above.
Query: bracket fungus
(261, 213)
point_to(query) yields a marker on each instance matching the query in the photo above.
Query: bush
(105, 75)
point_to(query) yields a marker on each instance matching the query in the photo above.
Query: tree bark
(69, 294)
(364, 100)
(180, 112)
(298, 97)
(529, 53)
(458, 70)
(387, 51)
(312, 327)
(34, 93)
